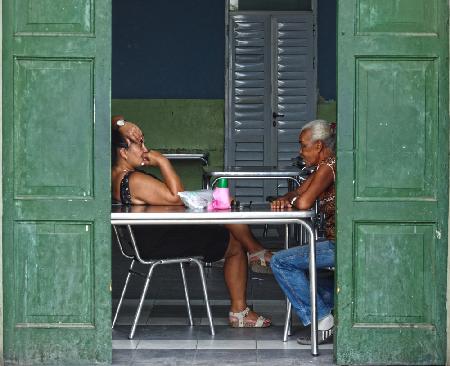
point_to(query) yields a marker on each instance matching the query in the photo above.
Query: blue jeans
(290, 268)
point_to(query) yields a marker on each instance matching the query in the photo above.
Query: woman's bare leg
(244, 235)
(235, 272)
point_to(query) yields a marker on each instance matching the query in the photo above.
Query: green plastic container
(222, 183)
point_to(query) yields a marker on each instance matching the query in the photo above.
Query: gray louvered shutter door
(250, 109)
(294, 92)
(271, 70)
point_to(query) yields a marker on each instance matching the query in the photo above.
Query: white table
(256, 214)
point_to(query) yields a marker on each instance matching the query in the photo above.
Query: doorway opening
(169, 75)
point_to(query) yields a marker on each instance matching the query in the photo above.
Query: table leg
(313, 289)
(204, 181)
(287, 322)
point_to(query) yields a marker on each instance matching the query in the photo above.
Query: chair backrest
(125, 240)
(130, 248)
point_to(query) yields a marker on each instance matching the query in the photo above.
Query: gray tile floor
(163, 336)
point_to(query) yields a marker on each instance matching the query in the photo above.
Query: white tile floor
(210, 344)
(164, 337)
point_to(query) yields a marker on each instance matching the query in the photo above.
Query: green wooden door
(392, 194)
(56, 230)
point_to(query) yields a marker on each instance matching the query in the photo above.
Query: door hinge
(314, 30)
(314, 62)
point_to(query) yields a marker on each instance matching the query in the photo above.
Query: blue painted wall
(326, 48)
(175, 49)
(168, 49)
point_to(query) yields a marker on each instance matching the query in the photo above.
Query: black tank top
(125, 193)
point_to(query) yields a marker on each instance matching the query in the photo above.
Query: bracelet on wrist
(293, 200)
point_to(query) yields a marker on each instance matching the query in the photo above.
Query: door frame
(226, 84)
(1, 184)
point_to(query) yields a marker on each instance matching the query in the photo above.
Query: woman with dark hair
(213, 242)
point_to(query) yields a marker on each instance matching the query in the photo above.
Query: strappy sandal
(238, 320)
(257, 262)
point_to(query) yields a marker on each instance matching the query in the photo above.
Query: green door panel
(50, 17)
(400, 16)
(54, 274)
(392, 182)
(42, 130)
(396, 127)
(56, 179)
(403, 251)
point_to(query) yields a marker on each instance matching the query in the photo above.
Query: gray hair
(321, 130)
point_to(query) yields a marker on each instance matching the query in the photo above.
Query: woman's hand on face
(280, 202)
(153, 158)
(132, 132)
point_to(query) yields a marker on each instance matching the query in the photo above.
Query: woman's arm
(148, 190)
(285, 201)
(319, 181)
(128, 130)
(304, 186)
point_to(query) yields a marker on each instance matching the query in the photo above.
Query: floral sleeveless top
(327, 201)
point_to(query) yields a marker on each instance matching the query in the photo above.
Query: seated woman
(258, 256)
(290, 267)
(212, 242)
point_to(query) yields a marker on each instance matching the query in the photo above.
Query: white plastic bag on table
(196, 199)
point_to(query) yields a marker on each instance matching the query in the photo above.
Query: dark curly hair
(117, 142)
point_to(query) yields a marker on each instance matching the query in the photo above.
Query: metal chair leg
(287, 322)
(119, 305)
(290, 323)
(205, 293)
(316, 210)
(186, 294)
(141, 302)
(266, 229)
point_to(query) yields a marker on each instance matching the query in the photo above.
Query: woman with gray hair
(290, 267)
